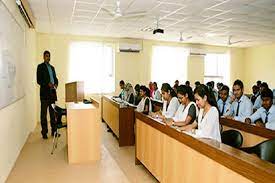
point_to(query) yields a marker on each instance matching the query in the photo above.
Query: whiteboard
(12, 46)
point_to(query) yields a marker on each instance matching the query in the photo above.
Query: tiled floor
(36, 165)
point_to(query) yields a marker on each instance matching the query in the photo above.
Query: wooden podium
(84, 132)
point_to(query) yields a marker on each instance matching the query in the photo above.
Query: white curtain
(92, 63)
(169, 64)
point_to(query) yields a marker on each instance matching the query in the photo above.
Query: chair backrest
(232, 138)
(266, 150)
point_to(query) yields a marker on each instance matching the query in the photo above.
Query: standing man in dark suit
(48, 82)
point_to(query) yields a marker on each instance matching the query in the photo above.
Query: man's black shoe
(45, 136)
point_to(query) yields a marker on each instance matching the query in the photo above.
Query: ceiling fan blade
(135, 14)
(108, 11)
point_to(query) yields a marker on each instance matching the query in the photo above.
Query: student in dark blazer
(46, 78)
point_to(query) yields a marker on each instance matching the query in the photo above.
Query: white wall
(19, 118)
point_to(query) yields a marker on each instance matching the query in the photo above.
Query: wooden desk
(172, 156)
(84, 132)
(252, 135)
(120, 120)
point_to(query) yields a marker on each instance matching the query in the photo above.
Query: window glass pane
(216, 68)
(92, 63)
(168, 64)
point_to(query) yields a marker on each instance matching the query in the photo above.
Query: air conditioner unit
(197, 52)
(25, 13)
(130, 47)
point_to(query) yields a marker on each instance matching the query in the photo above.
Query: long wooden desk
(172, 156)
(252, 135)
(120, 119)
(84, 132)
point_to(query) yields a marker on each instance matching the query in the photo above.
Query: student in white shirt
(129, 93)
(156, 93)
(256, 93)
(241, 108)
(187, 111)
(208, 119)
(170, 102)
(258, 101)
(122, 87)
(224, 101)
(266, 113)
(144, 105)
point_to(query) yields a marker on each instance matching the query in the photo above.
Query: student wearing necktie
(241, 107)
(224, 101)
(266, 113)
(258, 101)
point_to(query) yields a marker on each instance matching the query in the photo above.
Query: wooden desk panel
(84, 133)
(252, 135)
(120, 120)
(187, 159)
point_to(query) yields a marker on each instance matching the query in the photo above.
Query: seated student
(187, 111)
(241, 107)
(266, 113)
(197, 83)
(256, 93)
(144, 105)
(122, 87)
(129, 93)
(208, 119)
(258, 101)
(187, 83)
(170, 103)
(137, 94)
(151, 88)
(156, 93)
(176, 85)
(224, 101)
(211, 85)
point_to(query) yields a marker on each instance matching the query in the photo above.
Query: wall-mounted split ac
(130, 45)
(25, 12)
(197, 52)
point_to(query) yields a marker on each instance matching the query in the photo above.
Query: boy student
(224, 101)
(258, 101)
(266, 113)
(241, 107)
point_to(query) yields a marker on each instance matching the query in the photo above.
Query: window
(216, 68)
(169, 64)
(92, 63)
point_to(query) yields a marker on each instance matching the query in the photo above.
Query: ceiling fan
(230, 42)
(184, 39)
(117, 12)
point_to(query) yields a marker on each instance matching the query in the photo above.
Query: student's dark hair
(46, 52)
(226, 88)
(146, 90)
(183, 90)
(202, 91)
(239, 83)
(187, 82)
(255, 87)
(137, 87)
(122, 82)
(267, 93)
(167, 88)
(259, 82)
(155, 83)
(197, 83)
(264, 84)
